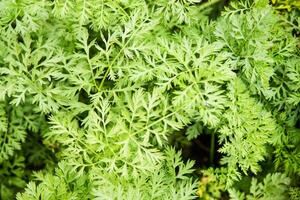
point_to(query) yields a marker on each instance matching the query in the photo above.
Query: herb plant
(92, 90)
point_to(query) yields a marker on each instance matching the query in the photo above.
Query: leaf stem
(212, 149)
(208, 4)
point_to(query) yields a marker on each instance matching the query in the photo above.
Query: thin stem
(117, 56)
(208, 4)
(212, 149)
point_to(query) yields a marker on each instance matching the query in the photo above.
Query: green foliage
(68, 183)
(244, 136)
(212, 184)
(294, 193)
(92, 90)
(273, 186)
(12, 176)
(286, 4)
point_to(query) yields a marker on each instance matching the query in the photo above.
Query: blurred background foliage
(286, 4)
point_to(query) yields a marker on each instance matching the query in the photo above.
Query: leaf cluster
(102, 84)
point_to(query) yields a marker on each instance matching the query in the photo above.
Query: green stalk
(212, 149)
(208, 4)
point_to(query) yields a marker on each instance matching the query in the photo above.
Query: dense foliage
(92, 91)
(286, 4)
